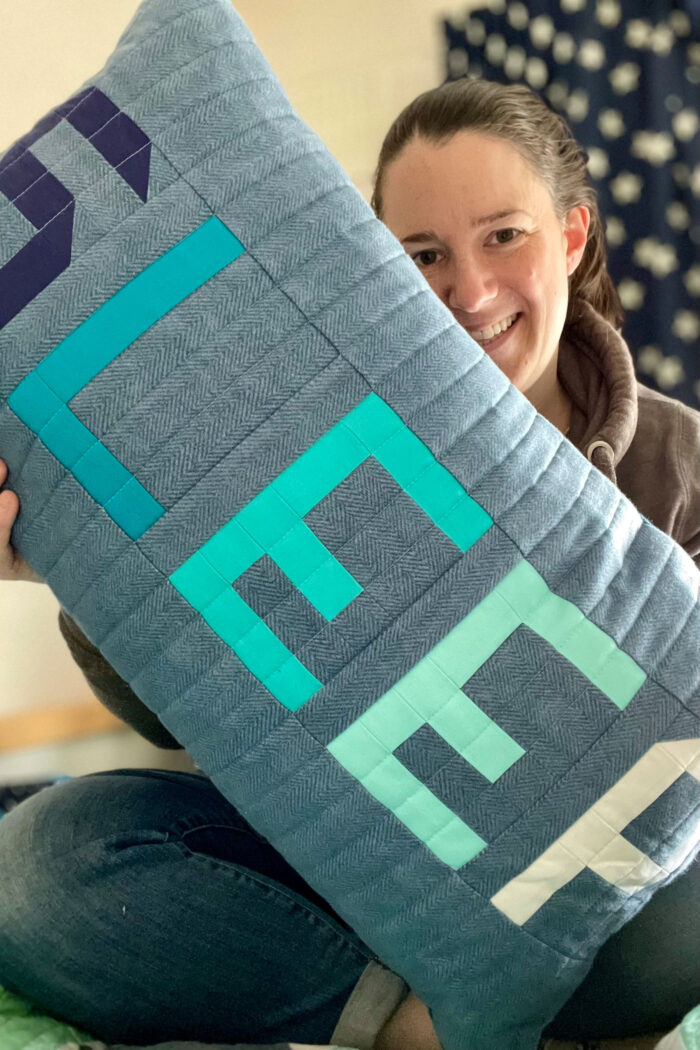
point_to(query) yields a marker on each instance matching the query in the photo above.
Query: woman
(487, 191)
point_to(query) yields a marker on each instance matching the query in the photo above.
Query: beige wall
(347, 67)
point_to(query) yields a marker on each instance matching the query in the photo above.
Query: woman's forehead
(471, 172)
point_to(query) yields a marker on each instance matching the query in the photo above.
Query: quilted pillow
(403, 625)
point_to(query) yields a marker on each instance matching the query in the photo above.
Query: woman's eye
(506, 235)
(427, 257)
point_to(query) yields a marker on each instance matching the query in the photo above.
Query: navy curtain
(627, 78)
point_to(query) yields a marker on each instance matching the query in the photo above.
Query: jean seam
(180, 830)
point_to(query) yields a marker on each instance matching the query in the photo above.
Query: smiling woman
(488, 192)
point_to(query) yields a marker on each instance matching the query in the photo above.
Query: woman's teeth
(485, 335)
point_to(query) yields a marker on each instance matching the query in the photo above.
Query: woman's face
(482, 228)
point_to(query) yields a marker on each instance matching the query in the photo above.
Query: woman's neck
(551, 400)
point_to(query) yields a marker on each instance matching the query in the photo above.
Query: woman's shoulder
(668, 433)
(667, 429)
(660, 471)
(667, 409)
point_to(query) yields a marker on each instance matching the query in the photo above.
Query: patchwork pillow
(403, 625)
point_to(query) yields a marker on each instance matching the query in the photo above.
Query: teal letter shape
(41, 399)
(272, 523)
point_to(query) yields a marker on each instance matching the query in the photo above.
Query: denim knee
(33, 838)
(109, 920)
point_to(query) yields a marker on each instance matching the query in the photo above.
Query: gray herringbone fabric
(234, 381)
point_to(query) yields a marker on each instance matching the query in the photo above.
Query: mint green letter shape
(431, 693)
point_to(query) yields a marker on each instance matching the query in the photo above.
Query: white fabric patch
(594, 840)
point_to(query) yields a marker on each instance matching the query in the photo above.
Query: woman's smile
(489, 336)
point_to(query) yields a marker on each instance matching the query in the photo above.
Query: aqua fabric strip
(67, 437)
(412, 466)
(433, 693)
(373, 428)
(269, 525)
(233, 620)
(34, 402)
(414, 804)
(100, 473)
(133, 509)
(40, 400)
(373, 422)
(320, 469)
(137, 307)
(568, 631)
(690, 1029)
(231, 551)
(199, 581)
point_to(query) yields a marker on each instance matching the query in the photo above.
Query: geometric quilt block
(272, 524)
(49, 205)
(435, 693)
(41, 399)
(596, 840)
(494, 732)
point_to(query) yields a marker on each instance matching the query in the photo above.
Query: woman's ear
(575, 235)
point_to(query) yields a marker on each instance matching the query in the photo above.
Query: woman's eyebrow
(426, 235)
(494, 216)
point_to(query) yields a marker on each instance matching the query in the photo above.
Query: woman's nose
(471, 286)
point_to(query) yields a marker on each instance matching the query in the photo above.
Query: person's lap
(139, 905)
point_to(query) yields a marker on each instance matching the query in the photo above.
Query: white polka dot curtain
(627, 78)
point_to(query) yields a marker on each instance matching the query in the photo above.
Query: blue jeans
(139, 905)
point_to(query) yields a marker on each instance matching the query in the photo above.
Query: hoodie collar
(596, 370)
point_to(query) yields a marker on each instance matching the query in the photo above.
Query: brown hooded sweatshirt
(646, 444)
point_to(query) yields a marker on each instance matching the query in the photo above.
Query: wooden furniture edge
(55, 723)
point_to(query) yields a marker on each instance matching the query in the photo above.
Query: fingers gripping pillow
(405, 627)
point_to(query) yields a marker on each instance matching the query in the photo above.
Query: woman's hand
(12, 565)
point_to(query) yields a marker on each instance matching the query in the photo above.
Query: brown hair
(545, 142)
